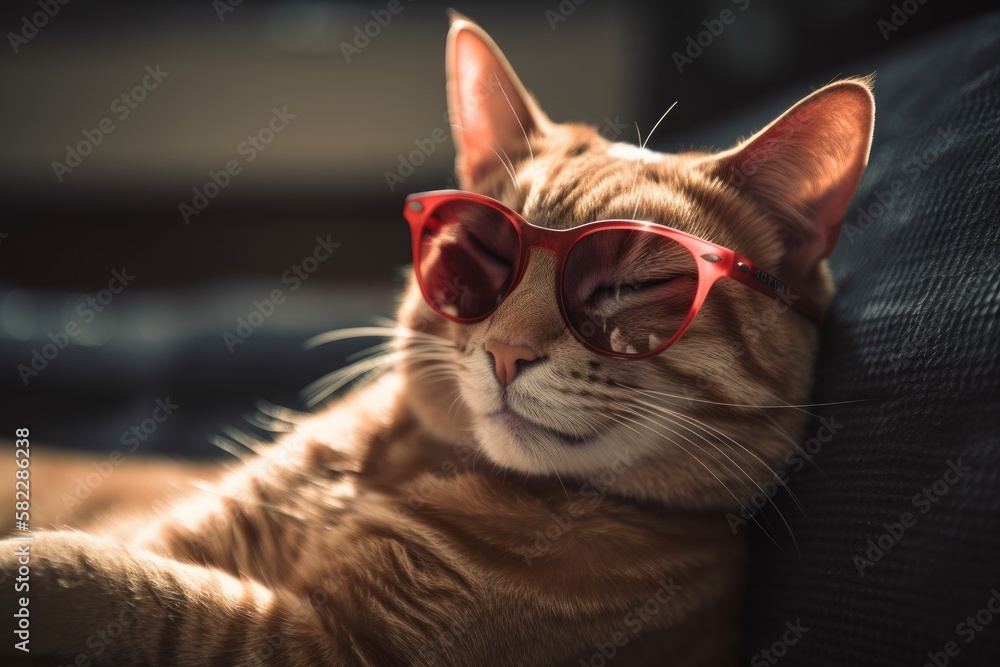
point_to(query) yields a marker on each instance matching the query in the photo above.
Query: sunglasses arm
(744, 271)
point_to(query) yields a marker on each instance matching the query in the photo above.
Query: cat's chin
(516, 423)
(517, 443)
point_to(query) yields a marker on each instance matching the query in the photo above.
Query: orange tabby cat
(507, 494)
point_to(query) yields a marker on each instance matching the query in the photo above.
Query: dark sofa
(896, 551)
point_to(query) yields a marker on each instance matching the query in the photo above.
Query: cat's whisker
(331, 382)
(293, 417)
(794, 406)
(778, 399)
(425, 350)
(267, 423)
(418, 364)
(509, 161)
(707, 429)
(555, 471)
(718, 433)
(519, 124)
(820, 405)
(749, 512)
(396, 330)
(641, 424)
(437, 368)
(370, 351)
(672, 441)
(635, 212)
(230, 447)
(590, 421)
(434, 376)
(652, 413)
(658, 124)
(432, 373)
(454, 403)
(740, 450)
(348, 333)
(700, 424)
(703, 436)
(790, 440)
(242, 438)
(404, 331)
(509, 169)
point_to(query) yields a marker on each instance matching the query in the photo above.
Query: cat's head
(676, 426)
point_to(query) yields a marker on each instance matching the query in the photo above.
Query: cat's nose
(509, 359)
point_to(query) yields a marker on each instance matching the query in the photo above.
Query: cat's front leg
(93, 601)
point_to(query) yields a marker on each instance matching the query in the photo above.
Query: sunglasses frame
(712, 260)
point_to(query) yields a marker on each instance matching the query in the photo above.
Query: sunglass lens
(467, 258)
(628, 291)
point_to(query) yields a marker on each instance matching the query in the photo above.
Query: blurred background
(166, 166)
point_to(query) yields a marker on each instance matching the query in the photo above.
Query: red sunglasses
(625, 288)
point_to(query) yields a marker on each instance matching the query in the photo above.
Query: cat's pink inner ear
(805, 167)
(490, 111)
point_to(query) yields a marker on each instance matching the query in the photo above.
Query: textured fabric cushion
(898, 534)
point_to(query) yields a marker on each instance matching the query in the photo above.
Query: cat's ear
(491, 113)
(805, 167)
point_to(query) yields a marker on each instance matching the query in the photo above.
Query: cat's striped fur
(402, 526)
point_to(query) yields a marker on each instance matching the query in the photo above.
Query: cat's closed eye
(632, 288)
(486, 248)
